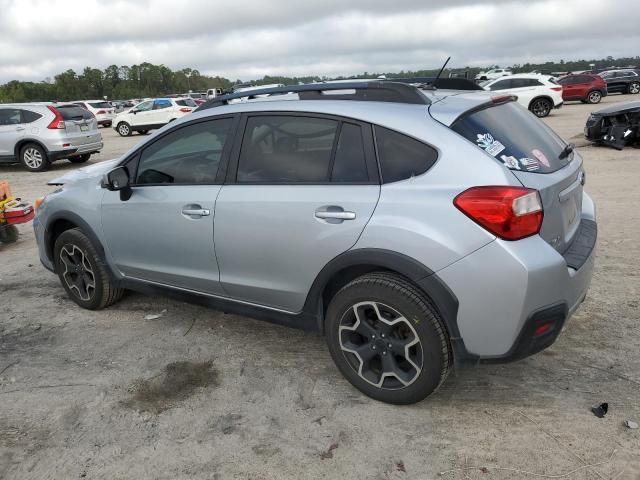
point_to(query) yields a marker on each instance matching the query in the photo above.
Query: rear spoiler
(443, 83)
(497, 100)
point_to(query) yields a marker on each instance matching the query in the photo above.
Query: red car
(586, 87)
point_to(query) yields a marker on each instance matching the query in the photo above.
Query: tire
(634, 88)
(107, 125)
(594, 97)
(8, 234)
(80, 158)
(82, 272)
(540, 107)
(34, 158)
(143, 132)
(124, 129)
(400, 314)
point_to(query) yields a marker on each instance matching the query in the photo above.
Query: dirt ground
(199, 394)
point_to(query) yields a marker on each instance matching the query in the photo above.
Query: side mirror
(133, 110)
(116, 179)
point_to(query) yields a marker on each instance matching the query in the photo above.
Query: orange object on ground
(5, 191)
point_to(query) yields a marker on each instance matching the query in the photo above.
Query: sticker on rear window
(542, 158)
(489, 144)
(530, 164)
(510, 162)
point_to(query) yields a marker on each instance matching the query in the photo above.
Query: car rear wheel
(143, 132)
(80, 158)
(124, 129)
(540, 107)
(34, 158)
(82, 272)
(594, 97)
(387, 339)
(634, 88)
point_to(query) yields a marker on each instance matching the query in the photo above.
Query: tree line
(149, 80)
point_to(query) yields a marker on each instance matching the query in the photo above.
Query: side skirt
(302, 320)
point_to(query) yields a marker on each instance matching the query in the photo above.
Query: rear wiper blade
(566, 151)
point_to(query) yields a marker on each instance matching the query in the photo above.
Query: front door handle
(195, 211)
(336, 215)
(19, 129)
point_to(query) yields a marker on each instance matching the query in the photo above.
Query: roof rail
(378, 91)
(455, 83)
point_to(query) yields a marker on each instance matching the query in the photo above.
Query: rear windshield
(515, 137)
(74, 112)
(100, 104)
(187, 102)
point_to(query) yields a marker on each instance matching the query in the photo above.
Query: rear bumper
(506, 289)
(78, 150)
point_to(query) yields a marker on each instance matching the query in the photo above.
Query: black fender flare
(434, 288)
(76, 219)
(25, 141)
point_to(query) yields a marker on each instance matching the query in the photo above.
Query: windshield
(515, 137)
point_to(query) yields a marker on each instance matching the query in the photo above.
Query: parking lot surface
(155, 388)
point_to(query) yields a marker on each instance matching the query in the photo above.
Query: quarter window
(284, 149)
(187, 155)
(28, 116)
(402, 157)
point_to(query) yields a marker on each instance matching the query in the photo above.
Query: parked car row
(538, 93)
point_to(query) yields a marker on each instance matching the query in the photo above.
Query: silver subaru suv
(415, 229)
(36, 134)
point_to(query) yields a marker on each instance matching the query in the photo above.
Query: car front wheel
(634, 88)
(540, 107)
(82, 273)
(387, 339)
(594, 97)
(124, 129)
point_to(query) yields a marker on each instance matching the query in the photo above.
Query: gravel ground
(199, 394)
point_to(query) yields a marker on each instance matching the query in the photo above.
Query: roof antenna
(433, 84)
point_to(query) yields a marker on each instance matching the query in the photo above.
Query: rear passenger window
(10, 116)
(28, 116)
(350, 162)
(501, 85)
(402, 157)
(188, 155)
(160, 104)
(284, 149)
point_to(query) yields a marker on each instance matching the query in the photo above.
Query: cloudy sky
(250, 38)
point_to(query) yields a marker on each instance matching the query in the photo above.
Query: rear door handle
(336, 215)
(196, 212)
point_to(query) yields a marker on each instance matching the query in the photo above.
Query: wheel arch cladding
(354, 263)
(63, 221)
(26, 141)
(542, 97)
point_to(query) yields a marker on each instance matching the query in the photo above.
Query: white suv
(101, 109)
(536, 92)
(493, 74)
(152, 114)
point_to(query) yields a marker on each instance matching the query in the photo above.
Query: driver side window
(189, 155)
(501, 85)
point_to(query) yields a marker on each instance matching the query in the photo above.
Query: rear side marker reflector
(511, 213)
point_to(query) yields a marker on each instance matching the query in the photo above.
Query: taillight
(510, 213)
(58, 122)
(101, 112)
(185, 110)
(556, 89)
